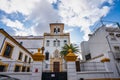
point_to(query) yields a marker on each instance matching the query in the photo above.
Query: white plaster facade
(12, 60)
(52, 43)
(104, 43)
(31, 43)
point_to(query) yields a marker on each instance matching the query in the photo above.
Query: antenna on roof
(118, 24)
(101, 20)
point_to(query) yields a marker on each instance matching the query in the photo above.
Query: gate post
(71, 66)
(37, 66)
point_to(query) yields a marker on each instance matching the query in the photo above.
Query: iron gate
(54, 75)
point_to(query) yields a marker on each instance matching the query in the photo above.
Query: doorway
(56, 67)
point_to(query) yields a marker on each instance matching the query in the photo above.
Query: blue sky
(32, 17)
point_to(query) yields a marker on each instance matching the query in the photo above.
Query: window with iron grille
(17, 68)
(2, 68)
(23, 69)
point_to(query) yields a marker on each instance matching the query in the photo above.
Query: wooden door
(56, 67)
(77, 65)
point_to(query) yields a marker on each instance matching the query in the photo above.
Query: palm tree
(66, 47)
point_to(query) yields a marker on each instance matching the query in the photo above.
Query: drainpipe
(2, 44)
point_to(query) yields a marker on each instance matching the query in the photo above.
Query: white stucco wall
(15, 54)
(31, 43)
(51, 48)
(85, 49)
(2, 37)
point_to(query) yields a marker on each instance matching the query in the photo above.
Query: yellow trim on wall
(4, 48)
(4, 64)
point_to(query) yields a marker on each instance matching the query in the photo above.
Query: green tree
(66, 47)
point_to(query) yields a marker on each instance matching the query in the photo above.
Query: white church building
(38, 57)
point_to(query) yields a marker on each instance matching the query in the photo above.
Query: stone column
(37, 66)
(71, 67)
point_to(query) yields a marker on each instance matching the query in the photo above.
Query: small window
(116, 47)
(111, 34)
(58, 29)
(17, 68)
(20, 56)
(2, 68)
(29, 60)
(88, 56)
(55, 30)
(118, 35)
(23, 69)
(65, 41)
(25, 60)
(47, 56)
(28, 69)
(54, 43)
(8, 50)
(58, 43)
(47, 43)
(46, 65)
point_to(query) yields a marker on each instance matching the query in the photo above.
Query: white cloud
(13, 24)
(42, 15)
(23, 6)
(75, 13)
(18, 27)
(83, 13)
(69, 30)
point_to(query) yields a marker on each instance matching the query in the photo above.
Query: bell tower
(56, 28)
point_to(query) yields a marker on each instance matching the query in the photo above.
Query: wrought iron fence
(92, 66)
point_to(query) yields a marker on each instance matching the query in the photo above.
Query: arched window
(54, 30)
(54, 43)
(58, 43)
(47, 43)
(47, 55)
(58, 29)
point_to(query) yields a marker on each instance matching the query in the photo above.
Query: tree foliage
(66, 47)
